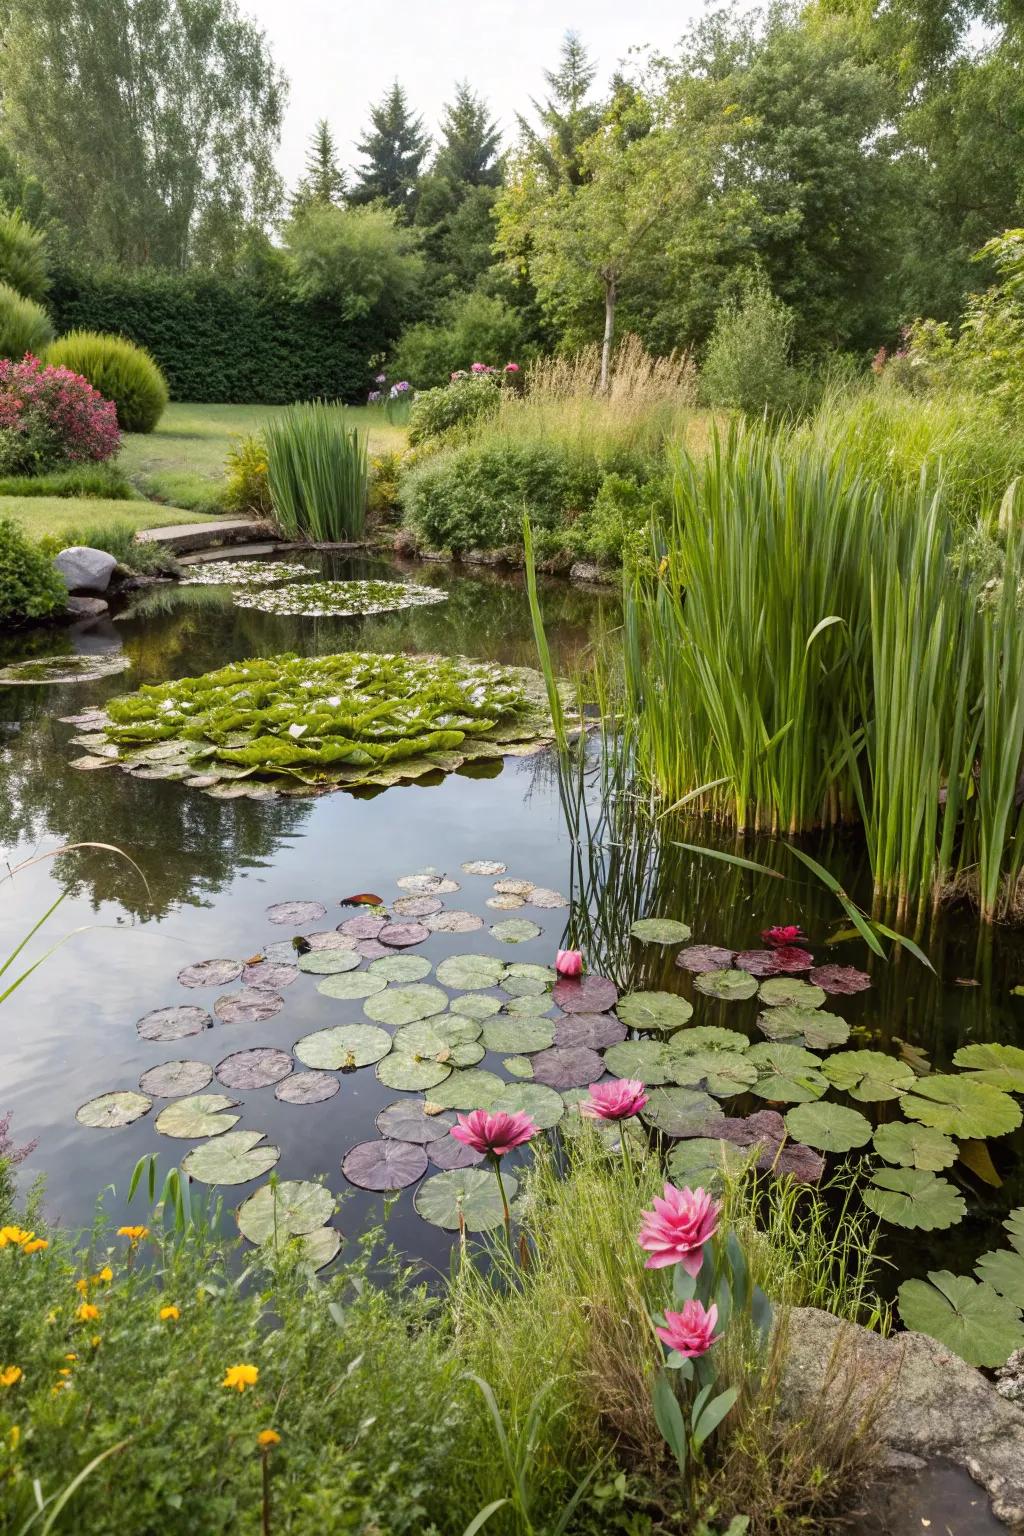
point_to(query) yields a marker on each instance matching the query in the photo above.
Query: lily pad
(710, 1037)
(406, 1120)
(85, 668)
(401, 968)
(364, 926)
(515, 930)
(173, 1023)
(787, 1074)
(505, 903)
(840, 980)
(403, 935)
(447, 1153)
(529, 970)
(453, 922)
(681, 1111)
(782, 991)
(596, 1030)
(251, 1005)
(260, 1067)
(813, 1027)
(915, 1146)
(384, 1164)
(343, 1047)
(476, 1005)
(406, 1005)
(210, 973)
(286, 1209)
(417, 906)
(272, 975)
(660, 930)
(234, 1158)
(112, 1110)
(370, 949)
(790, 958)
(484, 867)
(586, 994)
(518, 1066)
(428, 884)
(307, 1088)
(529, 1007)
(470, 973)
(335, 599)
(776, 1154)
(758, 962)
(965, 1315)
(330, 962)
(201, 1114)
(914, 1198)
(352, 986)
(296, 914)
(174, 1079)
(701, 958)
(870, 1076)
(701, 1162)
(1004, 1272)
(464, 1199)
(408, 1073)
(513, 887)
(568, 1066)
(472, 1088)
(544, 1106)
(830, 1127)
(728, 986)
(722, 1073)
(546, 899)
(320, 1247)
(662, 1011)
(961, 1107)
(1001, 1066)
(648, 1061)
(515, 1034)
(526, 986)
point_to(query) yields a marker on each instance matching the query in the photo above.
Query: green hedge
(223, 339)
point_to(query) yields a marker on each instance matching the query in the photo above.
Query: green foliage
(118, 539)
(385, 470)
(105, 481)
(248, 485)
(471, 328)
(316, 473)
(615, 529)
(24, 325)
(393, 150)
(461, 403)
(362, 259)
(120, 370)
(324, 180)
(23, 259)
(30, 586)
(747, 365)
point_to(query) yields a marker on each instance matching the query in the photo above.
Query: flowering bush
(50, 416)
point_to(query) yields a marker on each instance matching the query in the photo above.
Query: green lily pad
(710, 1037)
(723, 1073)
(464, 1198)
(915, 1146)
(112, 1110)
(201, 1114)
(529, 1007)
(813, 1027)
(525, 986)
(544, 1106)
(530, 970)
(320, 1247)
(961, 1107)
(787, 1074)
(449, 1040)
(1001, 1066)
(680, 1111)
(234, 1158)
(965, 1315)
(646, 1060)
(289, 1208)
(662, 1011)
(473, 1088)
(1004, 1272)
(829, 1127)
(175, 1079)
(470, 973)
(704, 1163)
(408, 1073)
(354, 986)
(475, 1005)
(516, 930)
(518, 1066)
(330, 962)
(343, 1047)
(915, 1198)
(727, 986)
(870, 1076)
(505, 1034)
(401, 968)
(406, 1005)
(660, 930)
(780, 991)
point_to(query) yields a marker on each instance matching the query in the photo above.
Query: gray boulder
(86, 607)
(84, 569)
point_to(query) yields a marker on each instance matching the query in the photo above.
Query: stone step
(186, 538)
(229, 552)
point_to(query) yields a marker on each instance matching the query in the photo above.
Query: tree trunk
(609, 328)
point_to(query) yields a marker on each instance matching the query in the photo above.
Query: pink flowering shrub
(50, 417)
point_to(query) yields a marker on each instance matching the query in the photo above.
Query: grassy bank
(43, 516)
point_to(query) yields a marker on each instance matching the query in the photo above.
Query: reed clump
(317, 473)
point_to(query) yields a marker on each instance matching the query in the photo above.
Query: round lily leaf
(505, 903)
(318, 1248)
(526, 986)
(965, 1315)
(484, 867)
(201, 1114)
(402, 968)
(112, 1110)
(453, 922)
(406, 1005)
(552, 901)
(513, 887)
(759, 962)
(829, 1127)
(786, 1074)
(428, 884)
(234, 1158)
(270, 974)
(472, 1088)
(594, 1029)
(1001, 1066)
(515, 930)
(660, 930)
(704, 1163)
(528, 970)
(252, 1005)
(840, 980)
(259, 1067)
(701, 958)
(417, 906)
(408, 1073)
(470, 973)
(681, 1111)
(466, 1198)
(568, 1066)
(647, 1061)
(528, 1007)
(210, 973)
(544, 1106)
(914, 1198)
(449, 1153)
(296, 914)
(961, 1107)
(406, 1120)
(518, 1066)
(585, 994)
(813, 1027)
(728, 986)
(663, 1011)
(710, 1037)
(1004, 1272)
(915, 1146)
(778, 991)
(352, 986)
(307, 1088)
(442, 1038)
(343, 1047)
(870, 1076)
(290, 1208)
(330, 962)
(505, 1034)
(723, 1073)
(370, 949)
(475, 1005)
(325, 938)
(173, 1023)
(384, 1164)
(790, 957)
(403, 935)
(174, 1079)
(364, 926)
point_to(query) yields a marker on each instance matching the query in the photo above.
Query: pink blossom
(511, 367)
(494, 1134)
(614, 1101)
(54, 416)
(690, 1332)
(678, 1227)
(569, 962)
(790, 933)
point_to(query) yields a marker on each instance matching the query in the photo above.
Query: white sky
(340, 56)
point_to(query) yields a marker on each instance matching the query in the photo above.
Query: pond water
(213, 867)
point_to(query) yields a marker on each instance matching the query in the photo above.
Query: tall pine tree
(470, 140)
(568, 118)
(393, 152)
(324, 180)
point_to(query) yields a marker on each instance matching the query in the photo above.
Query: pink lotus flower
(614, 1101)
(690, 1332)
(677, 1229)
(569, 962)
(777, 938)
(494, 1134)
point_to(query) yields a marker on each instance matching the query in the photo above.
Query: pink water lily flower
(569, 962)
(690, 1332)
(678, 1227)
(494, 1134)
(614, 1101)
(787, 933)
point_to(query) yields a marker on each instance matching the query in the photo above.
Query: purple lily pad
(701, 958)
(767, 1131)
(447, 1153)
(330, 938)
(406, 1120)
(210, 973)
(173, 1023)
(595, 1030)
(252, 1005)
(417, 906)
(270, 975)
(402, 935)
(757, 962)
(840, 980)
(371, 949)
(307, 1088)
(384, 1164)
(567, 1066)
(454, 922)
(260, 1067)
(363, 927)
(585, 994)
(791, 958)
(295, 914)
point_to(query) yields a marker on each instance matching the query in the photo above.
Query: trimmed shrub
(248, 488)
(50, 417)
(23, 257)
(24, 325)
(121, 371)
(30, 585)
(458, 404)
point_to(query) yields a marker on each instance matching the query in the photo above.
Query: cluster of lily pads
(288, 587)
(303, 725)
(76, 668)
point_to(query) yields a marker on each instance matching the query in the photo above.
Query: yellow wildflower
(65, 1370)
(169, 1314)
(105, 1275)
(87, 1313)
(133, 1234)
(70, 1357)
(266, 1438)
(241, 1376)
(16, 1236)
(82, 1286)
(663, 565)
(96, 1340)
(10, 1375)
(36, 1245)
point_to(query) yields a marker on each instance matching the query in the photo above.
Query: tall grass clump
(317, 472)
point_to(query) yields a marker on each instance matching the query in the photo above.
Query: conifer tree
(393, 152)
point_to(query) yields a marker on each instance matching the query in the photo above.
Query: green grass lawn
(42, 515)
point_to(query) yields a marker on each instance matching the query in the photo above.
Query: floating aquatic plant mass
(336, 599)
(305, 725)
(244, 573)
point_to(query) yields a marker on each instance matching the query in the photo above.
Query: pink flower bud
(569, 962)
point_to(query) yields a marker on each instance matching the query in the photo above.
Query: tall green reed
(317, 473)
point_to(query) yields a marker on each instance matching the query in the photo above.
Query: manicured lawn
(41, 515)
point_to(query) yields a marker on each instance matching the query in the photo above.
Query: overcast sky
(341, 56)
